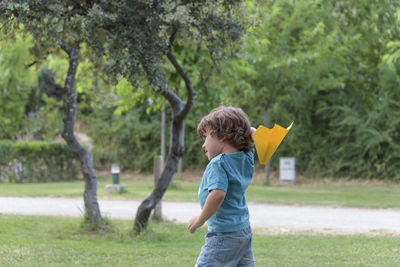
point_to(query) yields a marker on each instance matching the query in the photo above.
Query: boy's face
(212, 145)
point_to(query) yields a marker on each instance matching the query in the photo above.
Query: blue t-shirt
(231, 173)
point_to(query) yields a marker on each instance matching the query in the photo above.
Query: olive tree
(138, 40)
(56, 26)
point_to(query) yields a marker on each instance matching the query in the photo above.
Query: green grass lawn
(368, 195)
(49, 241)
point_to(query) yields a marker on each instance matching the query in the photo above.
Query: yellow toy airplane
(267, 140)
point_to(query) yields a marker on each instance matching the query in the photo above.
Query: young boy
(228, 145)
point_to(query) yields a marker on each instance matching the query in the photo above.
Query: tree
(56, 25)
(138, 37)
(132, 115)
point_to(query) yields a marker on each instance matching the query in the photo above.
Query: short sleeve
(217, 177)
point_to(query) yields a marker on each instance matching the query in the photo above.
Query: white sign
(287, 170)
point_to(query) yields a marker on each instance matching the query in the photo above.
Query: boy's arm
(213, 202)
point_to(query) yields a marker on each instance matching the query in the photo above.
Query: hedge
(37, 161)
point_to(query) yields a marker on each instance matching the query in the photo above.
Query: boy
(228, 146)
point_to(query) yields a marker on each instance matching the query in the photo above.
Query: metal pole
(180, 160)
(170, 146)
(268, 166)
(163, 131)
(180, 168)
(158, 168)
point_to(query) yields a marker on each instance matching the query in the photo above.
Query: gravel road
(279, 217)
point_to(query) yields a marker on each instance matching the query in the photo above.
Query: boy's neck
(229, 149)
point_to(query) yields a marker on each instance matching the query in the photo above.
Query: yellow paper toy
(267, 140)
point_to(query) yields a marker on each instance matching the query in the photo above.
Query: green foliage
(131, 138)
(366, 111)
(37, 162)
(51, 24)
(127, 129)
(331, 67)
(287, 71)
(15, 88)
(44, 113)
(136, 35)
(370, 149)
(25, 109)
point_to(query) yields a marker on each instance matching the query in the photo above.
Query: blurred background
(330, 66)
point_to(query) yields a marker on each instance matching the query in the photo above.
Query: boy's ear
(222, 139)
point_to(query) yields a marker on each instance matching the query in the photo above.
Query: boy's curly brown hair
(229, 124)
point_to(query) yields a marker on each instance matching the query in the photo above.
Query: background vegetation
(37, 161)
(330, 66)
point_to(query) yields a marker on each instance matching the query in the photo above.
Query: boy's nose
(203, 146)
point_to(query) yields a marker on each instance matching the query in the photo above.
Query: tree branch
(173, 99)
(31, 64)
(183, 73)
(65, 47)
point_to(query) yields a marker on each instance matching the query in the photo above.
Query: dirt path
(264, 217)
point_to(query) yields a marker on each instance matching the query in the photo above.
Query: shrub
(37, 162)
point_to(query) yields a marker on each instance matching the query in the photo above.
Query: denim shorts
(227, 249)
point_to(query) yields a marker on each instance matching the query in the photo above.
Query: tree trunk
(145, 208)
(90, 196)
(180, 112)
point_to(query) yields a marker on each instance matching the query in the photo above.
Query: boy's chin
(210, 157)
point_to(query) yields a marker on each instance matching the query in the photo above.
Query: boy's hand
(194, 223)
(213, 202)
(253, 130)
